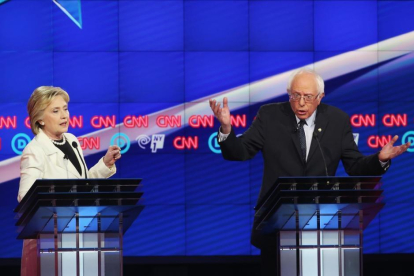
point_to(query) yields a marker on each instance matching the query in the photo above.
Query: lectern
(319, 223)
(79, 224)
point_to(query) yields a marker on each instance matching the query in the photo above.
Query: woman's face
(56, 118)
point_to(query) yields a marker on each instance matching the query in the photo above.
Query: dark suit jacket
(274, 133)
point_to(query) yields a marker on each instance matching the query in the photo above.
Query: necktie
(302, 139)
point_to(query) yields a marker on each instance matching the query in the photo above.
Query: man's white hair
(319, 81)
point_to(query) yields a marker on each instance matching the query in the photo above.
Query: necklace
(59, 143)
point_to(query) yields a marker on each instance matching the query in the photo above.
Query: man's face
(304, 85)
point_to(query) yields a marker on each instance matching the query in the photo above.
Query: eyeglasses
(308, 98)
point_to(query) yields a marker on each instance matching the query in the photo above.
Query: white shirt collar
(310, 121)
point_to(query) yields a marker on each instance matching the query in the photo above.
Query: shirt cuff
(385, 165)
(111, 168)
(222, 137)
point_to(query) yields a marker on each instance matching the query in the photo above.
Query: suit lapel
(57, 155)
(321, 123)
(51, 151)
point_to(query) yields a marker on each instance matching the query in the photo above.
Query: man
(286, 134)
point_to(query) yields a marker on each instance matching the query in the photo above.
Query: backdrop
(140, 73)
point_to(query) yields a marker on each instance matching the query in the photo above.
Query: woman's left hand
(112, 155)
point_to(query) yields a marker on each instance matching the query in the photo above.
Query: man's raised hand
(389, 151)
(222, 114)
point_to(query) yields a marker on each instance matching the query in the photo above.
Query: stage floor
(374, 265)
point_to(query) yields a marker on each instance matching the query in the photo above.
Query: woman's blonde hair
(39, 100)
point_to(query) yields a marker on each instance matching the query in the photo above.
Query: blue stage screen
(141, 72)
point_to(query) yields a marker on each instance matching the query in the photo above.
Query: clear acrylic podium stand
(319, 223)
(79, 224)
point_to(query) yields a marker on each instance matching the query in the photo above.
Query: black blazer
(274, 133)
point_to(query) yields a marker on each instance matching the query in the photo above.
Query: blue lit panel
(395, 77)
(151, 77)
(163, 177)
(396, 215)
(11, 248)
(99, 30)
(217, 230)
(158, 231)
(26, 26)
(372, 236)
(345, 25)
(394, 18)
(211, 72)
(89, 77)
(264, 64)
(151, 25)
(22, 72)
(216, 25)
(281, 26)
(201, 180)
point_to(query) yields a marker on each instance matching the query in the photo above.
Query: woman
(50, 154)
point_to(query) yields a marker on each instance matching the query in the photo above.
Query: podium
(79, 224)
(319, 223)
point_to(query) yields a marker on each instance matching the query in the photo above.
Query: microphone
(75, 145)
(323, 156)
(296, 129)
